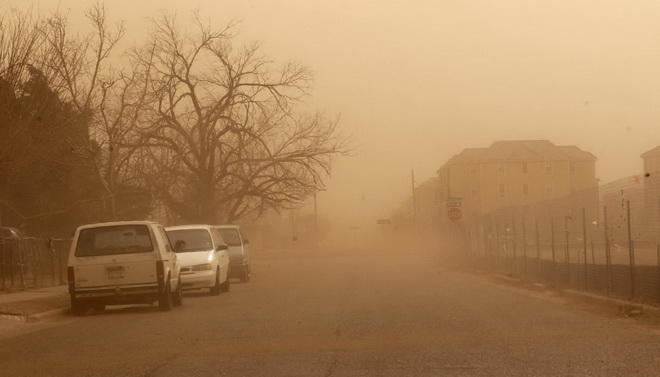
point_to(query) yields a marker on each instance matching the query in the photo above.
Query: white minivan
(125, 262)
(203, 256)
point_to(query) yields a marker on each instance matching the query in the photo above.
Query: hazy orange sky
(417, 81)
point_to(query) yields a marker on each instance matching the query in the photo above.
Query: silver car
(239, 256)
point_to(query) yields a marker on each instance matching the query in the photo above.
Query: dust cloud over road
(340, 313)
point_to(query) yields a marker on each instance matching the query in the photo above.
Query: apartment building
(518, 174)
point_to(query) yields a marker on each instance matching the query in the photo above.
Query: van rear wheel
(178, 295)
(245, 275)
(78, 308)
(165, 299)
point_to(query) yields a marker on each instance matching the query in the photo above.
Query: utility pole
(414, 198)
(316, 216)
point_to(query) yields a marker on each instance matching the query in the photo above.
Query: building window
(524, 168)
(548, 188)
(501, 169)
(501, 190)
(572, 168)
(548, 167)
(525, 189)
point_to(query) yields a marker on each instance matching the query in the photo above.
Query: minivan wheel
(178, 295)
(78, 308)
(98, 308)
(215, 290)
(165, 299)
(245, 275)
(226, 285)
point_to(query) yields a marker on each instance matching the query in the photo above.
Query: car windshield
(189, 240)
(231, 236)
(109, 240)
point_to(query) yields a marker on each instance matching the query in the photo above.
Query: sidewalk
(32, 302)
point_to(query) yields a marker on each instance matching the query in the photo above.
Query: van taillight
(71, 278)
(160, 273)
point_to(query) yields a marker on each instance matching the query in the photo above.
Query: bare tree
(223, 134)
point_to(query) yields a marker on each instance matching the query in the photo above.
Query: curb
(625, 306)
(21, 317)
(46, 314)
(621, 303)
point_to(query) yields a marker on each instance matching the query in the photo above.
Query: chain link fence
(32, 262)
(586, 251)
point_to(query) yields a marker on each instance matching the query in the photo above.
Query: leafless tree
(223, 133)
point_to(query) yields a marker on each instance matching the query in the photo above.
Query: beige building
(518, 174)
(652, 192)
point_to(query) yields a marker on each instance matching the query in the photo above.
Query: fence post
(552, 246)
(567, 251)
(11, 262)
(608, 255)
(593, 255)
(657, 255)
(497, 249)
(524, 245)
(21, 255)
(514, 241)
(538, 248)
(2, 262)
(584, 242)
(631, 252)
(60, 264)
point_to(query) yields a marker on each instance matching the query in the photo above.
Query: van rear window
(111, 240)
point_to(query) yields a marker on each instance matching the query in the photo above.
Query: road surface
(349, 314)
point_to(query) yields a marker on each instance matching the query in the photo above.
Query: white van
(126, 262)
(203, 256)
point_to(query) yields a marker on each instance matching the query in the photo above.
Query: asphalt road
(350, 314)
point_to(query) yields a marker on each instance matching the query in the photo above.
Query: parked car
(10, 233)
(126, 262)
(203, 256)
(239, 256)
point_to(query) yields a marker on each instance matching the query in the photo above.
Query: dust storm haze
(416, 82)
(329, 188)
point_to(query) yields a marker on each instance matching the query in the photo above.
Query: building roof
(522, 150)
(652, 153)
(626, 183)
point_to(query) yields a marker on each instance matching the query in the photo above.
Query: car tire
(177, 300)
(215, 290)
(165, 299)
(78, 308)
(98, 308)
(245, 275)
(226, 285)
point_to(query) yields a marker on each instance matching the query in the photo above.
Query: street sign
(454, 202)
(454, 213)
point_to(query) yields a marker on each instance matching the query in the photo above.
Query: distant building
(652, 191)
(519, 174)
(615, 195)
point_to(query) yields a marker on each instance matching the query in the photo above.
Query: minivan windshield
(109, 240)
(189, 240)
(231, 236)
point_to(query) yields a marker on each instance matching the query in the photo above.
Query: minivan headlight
(202, 267)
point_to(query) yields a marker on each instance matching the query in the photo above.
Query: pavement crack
(151, 371)
(332, 367)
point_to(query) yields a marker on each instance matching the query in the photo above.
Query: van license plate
(115, 272)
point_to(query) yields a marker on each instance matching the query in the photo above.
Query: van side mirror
(221, 247)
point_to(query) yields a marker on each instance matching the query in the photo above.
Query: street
(343, 314)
